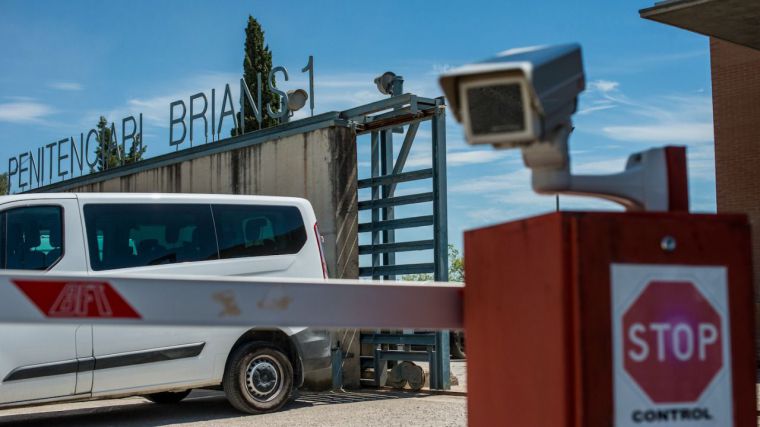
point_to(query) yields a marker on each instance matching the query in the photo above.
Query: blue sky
(66, 63)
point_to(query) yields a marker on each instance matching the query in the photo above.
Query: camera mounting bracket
(653, 180)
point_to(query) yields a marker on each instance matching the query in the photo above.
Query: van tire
(258, 378)
(167, 397)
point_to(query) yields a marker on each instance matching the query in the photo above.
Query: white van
(98, 233)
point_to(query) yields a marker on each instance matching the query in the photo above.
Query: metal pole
(386, 157)
(375, 171)
(442, 376)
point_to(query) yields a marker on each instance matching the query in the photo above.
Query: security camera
(517, 97)
(525, 98)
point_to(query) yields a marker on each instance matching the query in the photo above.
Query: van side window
(32, 237)
(139, 235)
(258, 230)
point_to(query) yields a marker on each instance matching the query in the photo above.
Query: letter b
(173, 121)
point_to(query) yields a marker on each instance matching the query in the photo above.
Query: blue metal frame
(440, 230)
(380, 119)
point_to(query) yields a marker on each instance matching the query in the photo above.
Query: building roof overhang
(736, 21)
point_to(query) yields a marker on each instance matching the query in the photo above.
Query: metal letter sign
(35, 168)
(671, 346)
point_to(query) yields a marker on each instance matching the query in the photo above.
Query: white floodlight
(297, 99)
(386, 82)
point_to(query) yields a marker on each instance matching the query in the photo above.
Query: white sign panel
(671, 346)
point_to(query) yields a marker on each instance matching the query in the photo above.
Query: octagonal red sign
(672, 342)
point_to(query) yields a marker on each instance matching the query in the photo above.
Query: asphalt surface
(210, 408)
(368, 407)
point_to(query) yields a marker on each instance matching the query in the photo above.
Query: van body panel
(120, 360)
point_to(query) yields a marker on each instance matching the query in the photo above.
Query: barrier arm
(191, 300)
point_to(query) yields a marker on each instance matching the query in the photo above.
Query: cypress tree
(136, 151)
(108, 151)
(257, 59)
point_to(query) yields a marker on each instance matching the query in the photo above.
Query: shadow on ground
(200, 406)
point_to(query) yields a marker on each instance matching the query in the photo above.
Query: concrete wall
(319, 165)
(736, 114)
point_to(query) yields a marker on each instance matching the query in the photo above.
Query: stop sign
(672, 341)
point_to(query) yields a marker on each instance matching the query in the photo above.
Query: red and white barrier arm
(181, 300)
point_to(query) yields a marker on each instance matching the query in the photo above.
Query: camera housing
(525, 98)
(518, 97)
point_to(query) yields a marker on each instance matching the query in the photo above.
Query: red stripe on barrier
(77, 299)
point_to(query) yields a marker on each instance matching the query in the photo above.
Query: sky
(64, 64)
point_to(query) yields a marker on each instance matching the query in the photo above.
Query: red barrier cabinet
(600, 319)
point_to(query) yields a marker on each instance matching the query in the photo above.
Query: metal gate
(403, 114)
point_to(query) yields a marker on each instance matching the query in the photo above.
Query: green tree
(136, 150)
(456, 269)
(4, 183)
(108, 151)
(456, 265)
(257, 59)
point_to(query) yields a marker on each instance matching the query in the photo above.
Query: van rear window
(258, 230)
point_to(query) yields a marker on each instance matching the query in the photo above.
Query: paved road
(208, 408)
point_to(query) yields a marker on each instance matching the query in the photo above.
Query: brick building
(734, 30)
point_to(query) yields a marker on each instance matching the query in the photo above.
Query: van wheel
(258, 378)
(168, 397)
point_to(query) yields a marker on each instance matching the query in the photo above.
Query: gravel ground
(208, 408)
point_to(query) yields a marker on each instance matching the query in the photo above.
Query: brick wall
(736, 113)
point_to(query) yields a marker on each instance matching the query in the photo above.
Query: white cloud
(682, 119)
(19, 98)
(603, 85)
(458, 158)
(662, 132)
(636, 64)
(516, 180)
(509, 196)
(155, 109)
(24, 112)
(701, 163)
(474, 157)
(70, 86)
(438, 69)
(591, 109)
(487, 215)
(606, 166)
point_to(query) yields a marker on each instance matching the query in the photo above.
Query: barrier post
(600, 319)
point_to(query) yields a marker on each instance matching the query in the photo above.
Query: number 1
(310, 68)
